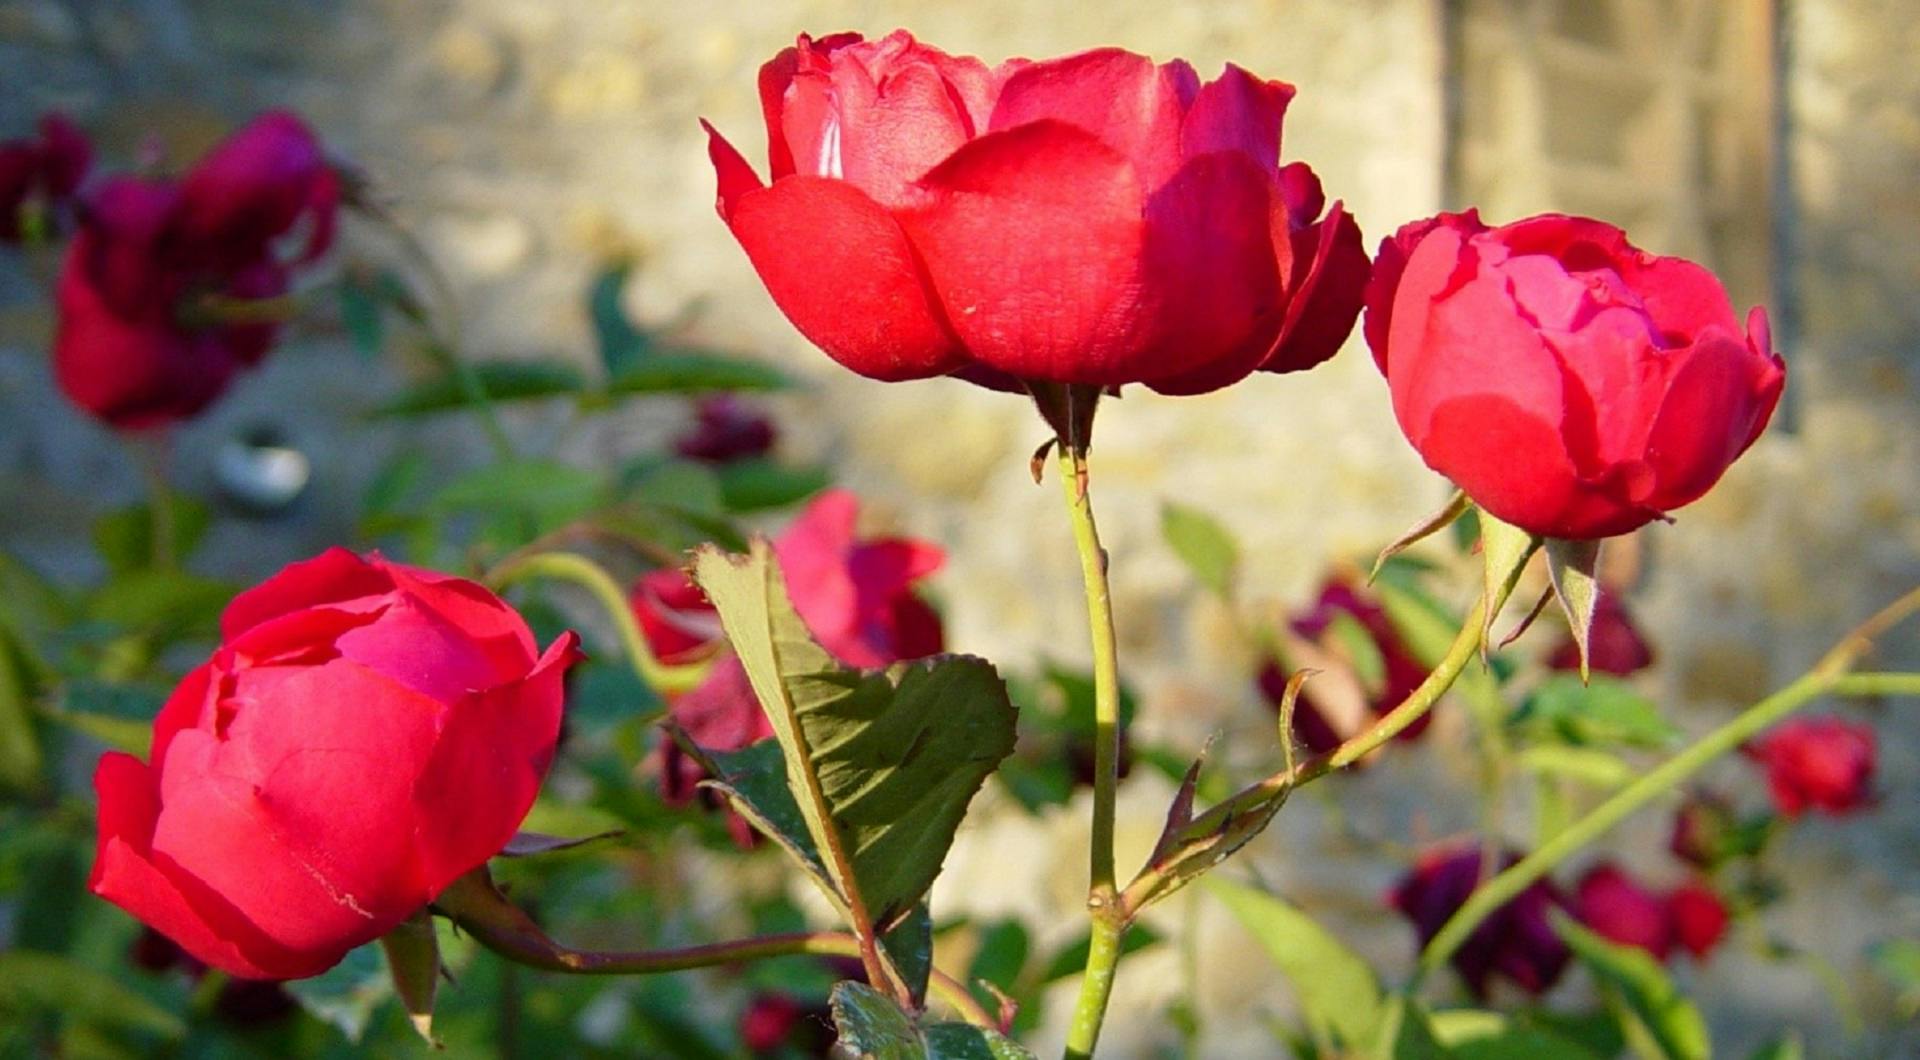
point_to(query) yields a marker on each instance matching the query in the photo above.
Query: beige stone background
(527, 140)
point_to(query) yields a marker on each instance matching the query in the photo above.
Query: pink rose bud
(1093, 219)
(1614, 906)
(1819, 763)
(1517, 942)
(1572, 384)
(365, 734)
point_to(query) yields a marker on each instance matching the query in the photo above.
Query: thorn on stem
(1038, 464)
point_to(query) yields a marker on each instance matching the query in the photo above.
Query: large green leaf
(548, 493)
(1477, 1034)
(32, 982)
(872, 1027)
(881, 765)
(1337, 990)
(500, 381)
(1642, 987)
(1205, 546)
(759, 483)
(1604, 712)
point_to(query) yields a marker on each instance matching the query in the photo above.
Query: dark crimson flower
(1094, 219)
(1517, 941)
(1343, 605)
(366, 734)
(768, 1020)
(1572, 384)
(1820, 763)
(140, 342)
(1703, 830)
(1699, 918)
(42, 173)
(725, 429)
(1614, 644)
(855, 595)
(1616, 907)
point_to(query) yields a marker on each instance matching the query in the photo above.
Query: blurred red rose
(1319, 724)
(42, 173)
(366, 734)
(1615, 906)
(1517, 941)
(1570, 383)
(1092, 219)
(1699, 918)
(137, 344)
(856, 597)
(725, 429)
(1820, 763)
(1614, 643)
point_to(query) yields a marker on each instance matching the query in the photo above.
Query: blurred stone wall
(527, 141)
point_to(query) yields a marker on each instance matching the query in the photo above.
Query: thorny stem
(1668, 775)
(1108, 918)
(578, 569)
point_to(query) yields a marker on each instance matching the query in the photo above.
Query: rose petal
(1238, 111)
(1709, 414)
(1326, 300)
(334, 576)
(1120, 98)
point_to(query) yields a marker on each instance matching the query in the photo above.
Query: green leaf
(1001, 954)
(21, 676)
(910, 947)
(124, 538)
(695, 373)
(1337, 990)
(32, 982)
(1474, 1034)
(118, 715)
(753, 780)
(500, 381)
(165, 603)
(760, 483)
(1205, 546)
(1606, 712)
(881, 765)
(680, 485)
(1898, 962)
(1600, 769)
(363, 317)
(1405, 1033)
(1643, 988)
(1571, 566)
(1788, 1046)
(346, 994)
(621, 344)
(872, 1027)
(548, 493)
(1361, 651)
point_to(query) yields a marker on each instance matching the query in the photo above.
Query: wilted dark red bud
(43, 172)
(1316, 724)
(1703, 828)
(768, 1020)
(1699, 918)
(1614, 645)
(1616, 907)
(725, 429)
(1822, 763)
(1517, 942)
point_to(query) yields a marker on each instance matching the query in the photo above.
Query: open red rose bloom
(136, 345)
(366, 734)
(1094, 219)
(1572, 384)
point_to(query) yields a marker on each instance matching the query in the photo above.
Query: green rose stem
(152, 452)
(1108, 919)
(588, 575)
(1828, 677)
(518, 939)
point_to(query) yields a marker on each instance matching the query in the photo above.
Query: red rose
(725, 429)
(1614, 643)
(1093, 219)
(1699, 918)
(1616, 907)
(43, 172)
(1317, 725)
(366, 734)
(1517, 941)
(135, 346)
(1571, 384)
(1823, 763)
(855, 596)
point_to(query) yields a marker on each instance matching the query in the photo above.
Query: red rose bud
(1517, 942)
(1093, 219)
(365, 734)
(1572, 384)
(138, 345)
(1344, 605)
(1703, 830)
(1822, 763)
(1699, 918)
(42, 173)
(1614, 644)
(1616, 907)
(725, 429)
